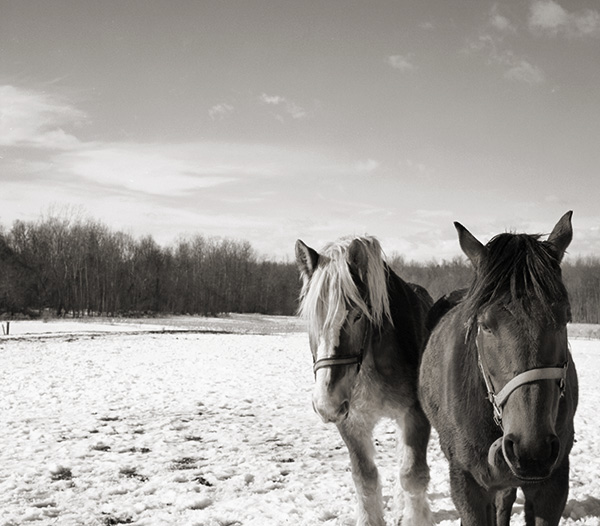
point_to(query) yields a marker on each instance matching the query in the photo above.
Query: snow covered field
(128, 423)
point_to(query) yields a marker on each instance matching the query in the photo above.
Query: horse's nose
(343, 411)
(331, 413)
(531, 460)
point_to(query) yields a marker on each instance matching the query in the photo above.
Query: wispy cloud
(370, 165)
(500, 22)
(145, 169)
(36, 119)
(493, 42)
(400, 62)
(220, 111)
(432, 218)
(549, 17)
(186, 168)
(168, 189)
(288, 107)
(523, 71)
(272, 99)
(416, 167)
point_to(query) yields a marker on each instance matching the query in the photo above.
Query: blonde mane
(331, 288)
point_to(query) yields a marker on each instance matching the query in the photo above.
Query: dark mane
(519, 271)
(409, 304)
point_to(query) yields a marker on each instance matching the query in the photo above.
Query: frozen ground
(125, 422)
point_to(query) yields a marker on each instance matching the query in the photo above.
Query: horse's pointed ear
(470, 245)
(561, 235)
(307, 259)
(358, 258)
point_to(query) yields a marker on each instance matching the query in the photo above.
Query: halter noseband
(338, 360)
(526, 377)
(346, 359)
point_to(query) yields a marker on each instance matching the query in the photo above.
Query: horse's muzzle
(333, 415)
(527, 464)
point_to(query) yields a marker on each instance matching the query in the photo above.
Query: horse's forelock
(376, 276)
(521, 271)
(332, 287)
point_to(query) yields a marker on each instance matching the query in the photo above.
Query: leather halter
(346, 359)
(526, 377)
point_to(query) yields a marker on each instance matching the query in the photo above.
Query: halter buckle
(562, 383)
(497, 413)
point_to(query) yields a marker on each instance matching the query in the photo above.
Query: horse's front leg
(474, 504)
(545, 502)
(358, 437)
(504, 503)
(414, 429)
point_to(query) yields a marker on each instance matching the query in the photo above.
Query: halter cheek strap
(526, 377)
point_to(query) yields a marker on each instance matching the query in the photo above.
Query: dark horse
(498, 382)
(367, 332)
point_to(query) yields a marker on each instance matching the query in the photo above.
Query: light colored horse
(367, 332)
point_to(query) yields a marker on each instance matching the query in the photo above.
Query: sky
(269, 121)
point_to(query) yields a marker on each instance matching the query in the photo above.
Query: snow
(149, 422)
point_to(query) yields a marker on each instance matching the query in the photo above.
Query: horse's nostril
(554, 448)
(509, 448)
(344, 408)
(539, 456)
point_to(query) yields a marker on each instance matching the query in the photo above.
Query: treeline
(77, 268)
(83, 268)
(437, 278)
(581, 278)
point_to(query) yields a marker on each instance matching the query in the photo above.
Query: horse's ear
(561, 235)
(307, 259)
(358, 258)
(470, 245)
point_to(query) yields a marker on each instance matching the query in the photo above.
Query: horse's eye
(358, 316)
(485, 328)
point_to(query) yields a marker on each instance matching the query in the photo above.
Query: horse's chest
(383, 399)
(474, 458)
(494, 477)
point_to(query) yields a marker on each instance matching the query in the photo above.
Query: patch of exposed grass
(132, 473)
(112, 520)
(201, 480)
(184, 463)
(61, 473)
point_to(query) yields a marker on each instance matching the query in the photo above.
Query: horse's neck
(406, 335)
(461, 355)
(408, 310)
(385, 348)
